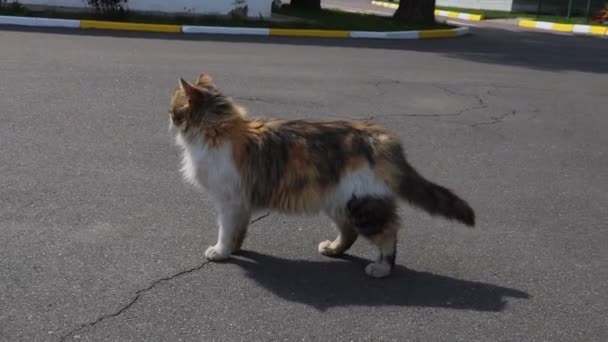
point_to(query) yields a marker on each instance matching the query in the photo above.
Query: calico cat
(355, 172)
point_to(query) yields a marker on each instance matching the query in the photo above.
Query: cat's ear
(204, 79)
(193, 94)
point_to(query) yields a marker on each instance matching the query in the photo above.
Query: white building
(255, 8)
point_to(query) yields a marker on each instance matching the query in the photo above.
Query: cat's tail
(434, 199)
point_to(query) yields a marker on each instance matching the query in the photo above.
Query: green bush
(112, 8)
(12, 7)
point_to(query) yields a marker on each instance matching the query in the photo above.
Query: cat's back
(293, 164)
(327, 133)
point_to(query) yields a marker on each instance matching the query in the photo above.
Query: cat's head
(200, 104)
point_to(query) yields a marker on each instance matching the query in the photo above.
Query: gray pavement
(100, 239)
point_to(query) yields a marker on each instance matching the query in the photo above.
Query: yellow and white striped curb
(441, 13)
(43, 22)
(459, 15)
(110, 25)
(575, 28)
(385, 4)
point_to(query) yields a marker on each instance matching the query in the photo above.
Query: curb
(575, 28)
(188, 29)
(110, 25)
(441, 13)
(459, 15)
(385, 4)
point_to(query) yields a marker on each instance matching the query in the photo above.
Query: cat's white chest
(211, 168)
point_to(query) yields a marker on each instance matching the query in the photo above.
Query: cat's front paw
(325, 248)
(377, 270)
(214, 253)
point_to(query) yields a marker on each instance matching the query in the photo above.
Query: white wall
(256, 8)
(500, 5)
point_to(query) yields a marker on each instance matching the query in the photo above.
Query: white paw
(377, 270)
(325, 247)
(215, 253)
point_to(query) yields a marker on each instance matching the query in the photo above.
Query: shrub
(109, 7)
(13, 7)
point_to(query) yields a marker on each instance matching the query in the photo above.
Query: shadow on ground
(534, 50)
(335, 283)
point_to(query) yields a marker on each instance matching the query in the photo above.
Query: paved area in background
(510, 24)
(100, 240)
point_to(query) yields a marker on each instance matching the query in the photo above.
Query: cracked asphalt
(101, 240)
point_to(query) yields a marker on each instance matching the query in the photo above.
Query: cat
(354, 172)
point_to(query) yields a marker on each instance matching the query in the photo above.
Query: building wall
(501, 5)
(256, 8)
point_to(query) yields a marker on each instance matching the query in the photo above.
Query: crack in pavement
(273, 101)
(257, 99)
(480, 104)
(494, 119)
(378, 85)
(141, 292)
(126, 307)
(260, 218)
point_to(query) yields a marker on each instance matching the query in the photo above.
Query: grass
(339, 20)
(324, 19)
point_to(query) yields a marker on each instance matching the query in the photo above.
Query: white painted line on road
(44, 22)
(226, 30)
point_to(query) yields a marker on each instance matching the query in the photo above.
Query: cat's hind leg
(376, 219)
(387, 247)
(233, 221)
(346, 237)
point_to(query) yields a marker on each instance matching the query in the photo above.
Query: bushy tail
(433, 198)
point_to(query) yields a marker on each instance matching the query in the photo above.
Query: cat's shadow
(334, 283)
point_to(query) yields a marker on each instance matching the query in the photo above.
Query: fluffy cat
(354, 172)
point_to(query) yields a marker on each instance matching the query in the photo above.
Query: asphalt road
(101, 240)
